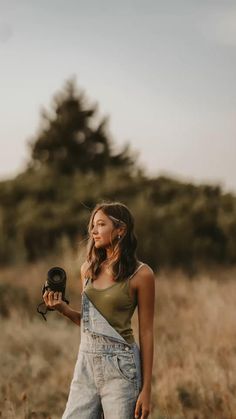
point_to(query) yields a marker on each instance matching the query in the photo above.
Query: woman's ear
(121, 231)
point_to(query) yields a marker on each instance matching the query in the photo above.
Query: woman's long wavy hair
(123, 260)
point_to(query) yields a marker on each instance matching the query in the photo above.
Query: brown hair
(123, 260)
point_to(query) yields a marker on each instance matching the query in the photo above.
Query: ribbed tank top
(115, 304)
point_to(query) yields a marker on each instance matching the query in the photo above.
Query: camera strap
(45, 310)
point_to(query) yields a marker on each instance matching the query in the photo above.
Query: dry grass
(195, 363)
(194, 374)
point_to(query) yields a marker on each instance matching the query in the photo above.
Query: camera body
(56, 281)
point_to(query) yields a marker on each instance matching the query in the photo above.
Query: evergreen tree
(70, 139)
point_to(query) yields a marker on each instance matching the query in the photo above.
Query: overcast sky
(164, 72)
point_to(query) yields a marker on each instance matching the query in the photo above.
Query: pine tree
(70, 139)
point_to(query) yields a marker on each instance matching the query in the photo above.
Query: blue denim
(107, 375)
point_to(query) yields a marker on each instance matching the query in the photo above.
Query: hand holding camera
(53, 292)
(53, 300)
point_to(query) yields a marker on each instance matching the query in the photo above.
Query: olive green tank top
(115, 304)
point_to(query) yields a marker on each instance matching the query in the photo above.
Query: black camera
(56, 281)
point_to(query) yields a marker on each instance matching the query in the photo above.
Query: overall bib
(107, 375)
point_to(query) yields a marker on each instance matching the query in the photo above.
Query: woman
(112, 374)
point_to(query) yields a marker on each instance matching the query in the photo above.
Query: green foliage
(72, 167)
(71, 139)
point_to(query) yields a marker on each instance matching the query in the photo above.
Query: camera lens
(56, 279)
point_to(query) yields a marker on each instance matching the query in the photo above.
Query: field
(194, 373)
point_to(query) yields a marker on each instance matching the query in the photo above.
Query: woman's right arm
(61, 306)
(73, 315)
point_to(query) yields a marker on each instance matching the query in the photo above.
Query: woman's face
(103, 230)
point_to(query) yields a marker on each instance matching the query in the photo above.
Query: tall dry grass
(195, 364)
(194, 374)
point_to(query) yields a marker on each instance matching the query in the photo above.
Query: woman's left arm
(146, 303)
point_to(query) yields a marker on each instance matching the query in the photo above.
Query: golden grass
(195, 363)
(194, 373)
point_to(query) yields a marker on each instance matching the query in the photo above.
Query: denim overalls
(107, 375)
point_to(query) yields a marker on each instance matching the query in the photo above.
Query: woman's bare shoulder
(83, 270)
(146, 269)
(84, 267)
(144, 276)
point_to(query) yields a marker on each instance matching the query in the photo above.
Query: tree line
(73, 164)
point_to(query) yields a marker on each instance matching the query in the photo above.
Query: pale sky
(164, 72)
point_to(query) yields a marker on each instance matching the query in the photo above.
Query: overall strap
(86, 281)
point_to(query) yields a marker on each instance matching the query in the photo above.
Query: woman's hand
(54, 300)
(142, 408)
